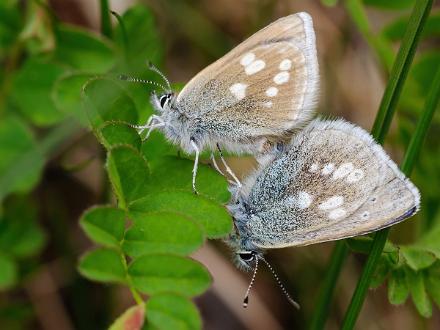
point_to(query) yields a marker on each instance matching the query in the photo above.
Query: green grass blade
(106, 24)
(400, 69)
(422, 126)
(417, 21)
(322, 308)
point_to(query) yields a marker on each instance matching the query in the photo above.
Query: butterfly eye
(246, 256)
(163, 100)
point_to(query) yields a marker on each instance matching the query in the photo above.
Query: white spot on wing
(331, 203)
(247, 59)
(343, 170)
(355, 176)
(328, 168)
(304, 200)
(285, 64)
(268, 104)
(255, 67)
(337, 214)
(238, 90)
(281, 77)
(272, 91)
(314, 168)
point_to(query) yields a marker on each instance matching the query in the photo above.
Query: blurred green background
(52, 166)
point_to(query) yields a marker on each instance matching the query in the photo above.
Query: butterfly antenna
(142, 81)
(246, 297)
(277, 279)
(153, 68)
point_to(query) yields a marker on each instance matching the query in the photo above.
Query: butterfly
(332, 181)
(248, 100)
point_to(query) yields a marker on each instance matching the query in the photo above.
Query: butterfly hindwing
(332, 182)
(266, 86)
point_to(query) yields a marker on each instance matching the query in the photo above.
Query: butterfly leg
(196, 164)
(141, 128)
(153, 122)
(228, 169)
(214, 162)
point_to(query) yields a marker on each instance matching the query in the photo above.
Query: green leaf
(144, 42)
(389, 4)
(422, 71)
(430, 241)
(31, 90)
(128, 172)
(417, 258)
(418, 293)
(10, 22)
(8, 272)
(20, 234)
(103, 265)
(329, 3)
(104, 225)
(66, 94)
(176, 173)
(113, 134)
(396, 29)
(17, 146)
(156, 147)
(173, 312)
(398, 289)
(432, 283)
(162, 233)
(83, 50)
(132, 319)
(158, 273)
(214, 218)
(105, 100)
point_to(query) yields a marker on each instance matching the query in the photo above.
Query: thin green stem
(400, 69)
(123, 34)
(337, 259)
(389, 102)
(356, 11)
(422, 126)
(136, 295)
(106, 23)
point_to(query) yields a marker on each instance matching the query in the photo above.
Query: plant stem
(106, 24)
(123, 34)
(136, 296)
(383, 120)
(419, 135)
(340, 252)
(400, 68)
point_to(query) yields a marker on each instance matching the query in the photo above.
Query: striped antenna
(143, 81)
(153, 68)
(246, 297)
(293, 302)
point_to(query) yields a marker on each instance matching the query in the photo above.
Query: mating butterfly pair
(327, 182)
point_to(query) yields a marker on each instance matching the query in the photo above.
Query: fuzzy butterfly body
(332, 181)
(248, 100)
(263, 88)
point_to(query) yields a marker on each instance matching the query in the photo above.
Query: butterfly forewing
(265, 86)
(333, 182)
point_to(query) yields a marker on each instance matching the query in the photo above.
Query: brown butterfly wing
(266, 86)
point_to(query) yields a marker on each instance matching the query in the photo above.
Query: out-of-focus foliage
(58, 79)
